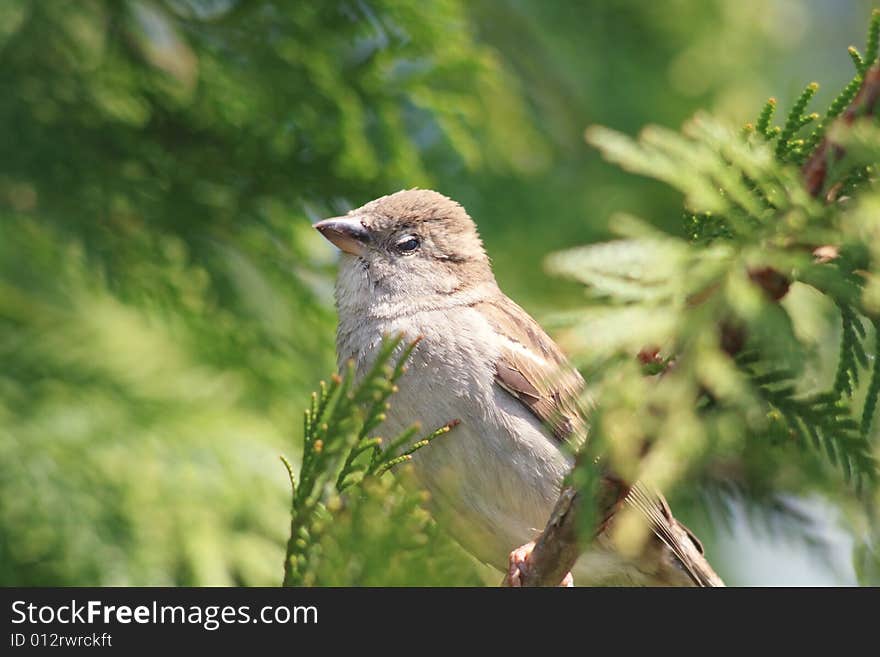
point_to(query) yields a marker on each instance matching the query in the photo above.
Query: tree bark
(558, 547)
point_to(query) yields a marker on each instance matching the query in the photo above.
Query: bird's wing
(532, 369)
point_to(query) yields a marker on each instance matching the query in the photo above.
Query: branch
(558, 547)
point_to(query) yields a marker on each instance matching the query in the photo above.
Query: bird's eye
(408, 244)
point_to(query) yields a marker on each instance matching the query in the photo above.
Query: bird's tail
(681, 541)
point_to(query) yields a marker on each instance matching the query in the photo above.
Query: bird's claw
(517, 565)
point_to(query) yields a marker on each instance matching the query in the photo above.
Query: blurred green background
(165, 307)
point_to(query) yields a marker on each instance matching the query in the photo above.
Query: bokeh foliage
(782, 225)
(164, 306)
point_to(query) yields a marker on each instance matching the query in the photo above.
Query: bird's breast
(495, 477)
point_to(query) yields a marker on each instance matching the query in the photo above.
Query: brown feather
(535, 371)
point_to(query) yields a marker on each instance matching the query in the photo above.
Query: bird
(413, 264)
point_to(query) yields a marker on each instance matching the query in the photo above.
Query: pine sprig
(822, 421)
(807, 119)
(872, 47)
(762, 126)
(388, 459)
(838, 105)
(852, 353)
(857, 60)
(794, 121)
(338, 450)
(873, 388)
(862, 64)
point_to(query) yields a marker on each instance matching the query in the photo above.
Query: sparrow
(413, 263)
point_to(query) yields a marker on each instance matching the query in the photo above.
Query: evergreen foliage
(724, 311)
(163, 300)
(340, 491)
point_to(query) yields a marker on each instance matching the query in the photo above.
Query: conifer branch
(852, 354)
(872, 45)
(857, 60)
(338, 451)
(873, 388)
(732, 192)
(763, 124)
(795, 120)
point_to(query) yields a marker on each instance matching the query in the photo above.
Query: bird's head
(412, 243)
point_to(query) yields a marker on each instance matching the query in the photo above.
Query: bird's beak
(346, 233)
